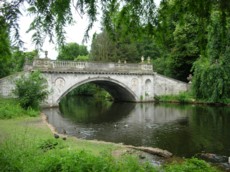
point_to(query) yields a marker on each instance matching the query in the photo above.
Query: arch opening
(117, 90)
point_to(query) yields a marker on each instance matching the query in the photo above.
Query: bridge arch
(118, 90)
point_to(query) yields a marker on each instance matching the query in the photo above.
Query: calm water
(182, 129)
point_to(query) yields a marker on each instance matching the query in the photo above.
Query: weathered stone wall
(7, 85)
(167, 86)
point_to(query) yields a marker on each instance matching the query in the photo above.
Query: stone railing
(46, 64)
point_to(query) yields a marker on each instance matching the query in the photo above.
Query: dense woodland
(181, 37)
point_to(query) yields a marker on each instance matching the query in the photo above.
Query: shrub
(31, 90)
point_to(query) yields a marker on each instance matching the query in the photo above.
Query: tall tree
(185, 50)
(5, 53)
(71, 51)
(103, 48)
(167, 18)
(212, 70)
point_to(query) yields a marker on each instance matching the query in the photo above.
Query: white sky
(74, 33)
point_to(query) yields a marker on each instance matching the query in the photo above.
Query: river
(183, 130)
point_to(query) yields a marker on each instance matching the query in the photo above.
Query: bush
(31, 90)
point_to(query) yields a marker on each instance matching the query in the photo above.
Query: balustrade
(46, 64)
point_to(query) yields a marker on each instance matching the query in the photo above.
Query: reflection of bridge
(125, 82)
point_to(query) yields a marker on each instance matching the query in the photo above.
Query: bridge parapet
(47, 64)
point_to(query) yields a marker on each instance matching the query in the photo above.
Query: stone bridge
(125, 82)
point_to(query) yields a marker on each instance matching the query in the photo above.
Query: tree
(212, 71)
(167, 18)
(31, 90)
(19, 57)
(5, 53)
(103, 48)
(186, 49)
(71, 51)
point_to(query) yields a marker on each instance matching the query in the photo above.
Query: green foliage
(51, 17)
(106, 48)
(31, 90)
(210, 81)
(10, 108)
(5, 53)
(211, 72)
(82, 58)
(185, 49)
(162, 65)
(72, 51)
(19, 58)
(177, 37)
(103, 48)
(190, 165)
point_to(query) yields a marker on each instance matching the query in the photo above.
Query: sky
(74, 33)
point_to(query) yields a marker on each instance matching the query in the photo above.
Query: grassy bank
(188, 98)
(27, 144)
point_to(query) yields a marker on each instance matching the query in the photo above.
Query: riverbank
(188, 98)
(27, 144)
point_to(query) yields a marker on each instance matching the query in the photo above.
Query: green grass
(184, 97)
(10, 108)
(190, 165)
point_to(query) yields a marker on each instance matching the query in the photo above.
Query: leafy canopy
(71, 51)
(5, 53)
(52, 16)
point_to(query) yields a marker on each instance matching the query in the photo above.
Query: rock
(141, 156)
(56, 136)
(225, 166)
(210, 157)
(64, 131)
(217, 160)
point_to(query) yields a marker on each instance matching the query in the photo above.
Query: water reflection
(183, 130)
